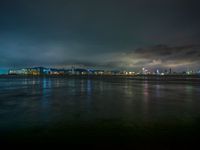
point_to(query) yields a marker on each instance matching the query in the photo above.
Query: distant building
(18, 71)
(98, 72)
(57, 71)
(28, 71)
(80, 71)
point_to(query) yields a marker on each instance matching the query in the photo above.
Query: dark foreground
(108, 133)
(108, 112)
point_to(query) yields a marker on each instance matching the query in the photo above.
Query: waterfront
(98, 110)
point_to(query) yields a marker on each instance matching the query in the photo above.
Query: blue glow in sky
(3, 71)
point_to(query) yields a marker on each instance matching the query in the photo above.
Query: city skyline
(93, 71)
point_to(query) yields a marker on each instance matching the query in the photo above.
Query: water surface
(91, 107)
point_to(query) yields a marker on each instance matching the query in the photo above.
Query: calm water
(54, 104)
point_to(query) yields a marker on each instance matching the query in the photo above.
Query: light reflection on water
(40, 101)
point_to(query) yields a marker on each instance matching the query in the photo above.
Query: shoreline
(133, 77)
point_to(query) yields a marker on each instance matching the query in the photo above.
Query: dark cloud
(164, 51)
(107, 33)
(166, 56)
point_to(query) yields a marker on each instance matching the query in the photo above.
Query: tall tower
(73, 70)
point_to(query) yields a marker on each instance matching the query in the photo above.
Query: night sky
(110, 34)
